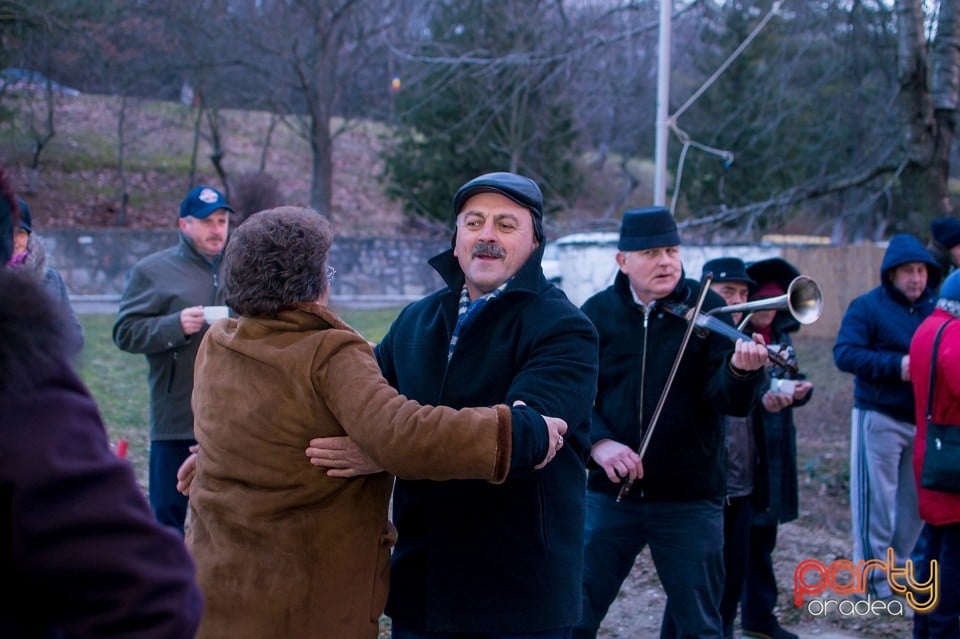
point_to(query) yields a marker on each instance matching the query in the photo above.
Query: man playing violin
(675, 504)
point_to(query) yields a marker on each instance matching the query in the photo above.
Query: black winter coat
(684, 460)
(473, 556)
(776, 493)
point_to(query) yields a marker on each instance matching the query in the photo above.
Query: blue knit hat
(6, 231)
(8, 218)
(951, 287)
(26, 219)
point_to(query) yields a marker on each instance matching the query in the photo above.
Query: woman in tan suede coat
(282, 548)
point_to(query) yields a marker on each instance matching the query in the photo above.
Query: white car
(551, 265)
(20, 79)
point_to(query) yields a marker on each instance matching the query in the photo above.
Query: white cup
(213, 313)
(783, 386)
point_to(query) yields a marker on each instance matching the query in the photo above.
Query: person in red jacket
(940, 511)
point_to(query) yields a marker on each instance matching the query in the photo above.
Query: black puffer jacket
(684, 460)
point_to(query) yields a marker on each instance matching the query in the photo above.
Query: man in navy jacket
(874, 345)
(494, 560)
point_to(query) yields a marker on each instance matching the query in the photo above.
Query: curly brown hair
(9, 218)
(275, 259)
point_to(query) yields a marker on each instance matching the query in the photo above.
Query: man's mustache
(488, 250)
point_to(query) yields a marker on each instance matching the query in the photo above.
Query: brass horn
(803, 299)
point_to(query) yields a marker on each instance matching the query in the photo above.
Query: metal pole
(663, 105)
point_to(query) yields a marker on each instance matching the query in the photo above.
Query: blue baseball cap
(202, 201)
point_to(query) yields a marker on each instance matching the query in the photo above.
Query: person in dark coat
(676, 506)
(161, 316)
(731, 282)
(493, 561)
(325, 537)
(30, 254)
(776, 493)
(80, 553)
(874, 344)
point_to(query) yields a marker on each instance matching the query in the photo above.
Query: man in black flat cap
(493, 561)
(676, 502)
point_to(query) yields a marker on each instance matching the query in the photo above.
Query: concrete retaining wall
(394, 271)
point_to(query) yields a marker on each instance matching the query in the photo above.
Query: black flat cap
(518, 188)
(728, 269)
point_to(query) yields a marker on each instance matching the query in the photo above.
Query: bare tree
(929, 79)
(296, 59)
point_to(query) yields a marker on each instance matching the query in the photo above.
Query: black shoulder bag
(941, 460)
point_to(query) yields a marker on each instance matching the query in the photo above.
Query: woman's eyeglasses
(330, 273)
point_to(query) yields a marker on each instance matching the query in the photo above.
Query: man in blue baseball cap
(161, 315)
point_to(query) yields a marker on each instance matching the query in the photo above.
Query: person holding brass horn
(775, 490)
(874, 344)
(731, 282)
(675, 504)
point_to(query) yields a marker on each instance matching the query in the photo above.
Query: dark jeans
(943, 544)
(169, 506)
(686, 541)
(406, 633)
(760, 586)
(736, 544)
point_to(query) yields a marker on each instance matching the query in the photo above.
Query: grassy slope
(118, 380)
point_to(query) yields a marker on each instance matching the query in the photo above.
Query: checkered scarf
(468, 312)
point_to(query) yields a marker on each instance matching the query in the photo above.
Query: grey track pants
(883, 493)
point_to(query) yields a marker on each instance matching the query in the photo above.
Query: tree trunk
(927, 103)
(321, 175)
(120, 219)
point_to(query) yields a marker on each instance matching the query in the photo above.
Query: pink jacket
(937, 508)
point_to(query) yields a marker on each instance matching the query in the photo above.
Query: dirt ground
(822, 532)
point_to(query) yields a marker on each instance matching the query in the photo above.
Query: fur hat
(773, 269)
(646, 228)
